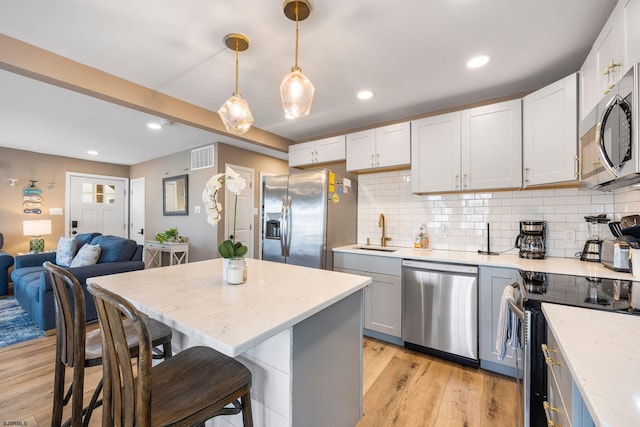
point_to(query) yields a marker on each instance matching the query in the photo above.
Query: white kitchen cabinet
(383, 296)
(475, 149)
(435, 153)
(383, 147)
(550, 125)
(316, 152)
(492, 282)
(492, 146)
(631, 18)
(588, 86)
(564, 405)
(614, 51)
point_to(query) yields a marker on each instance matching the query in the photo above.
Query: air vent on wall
(202, 158)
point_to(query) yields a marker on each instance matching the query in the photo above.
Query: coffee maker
(532, 240)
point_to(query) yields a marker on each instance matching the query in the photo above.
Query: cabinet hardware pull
(607, 71)
(372, 163)
(547, 407)
(576, 162)
(378, 159)
(547, 357)
(464, 181)
(457, 181)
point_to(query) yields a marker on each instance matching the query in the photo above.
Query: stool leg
(247, 417)
(58, 394)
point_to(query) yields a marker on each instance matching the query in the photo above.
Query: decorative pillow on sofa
(87, 255)
(66, 250)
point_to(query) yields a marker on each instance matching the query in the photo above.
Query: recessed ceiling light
(92, 152)
(365, 94)
(154, 125)
(478, 61)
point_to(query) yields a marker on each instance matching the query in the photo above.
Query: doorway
(96, 203)
(245, 211)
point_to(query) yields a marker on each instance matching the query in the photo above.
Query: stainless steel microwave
(609, 151)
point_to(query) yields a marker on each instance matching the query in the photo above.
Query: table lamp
(36, 229)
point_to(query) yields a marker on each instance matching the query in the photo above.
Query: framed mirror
(175, 195)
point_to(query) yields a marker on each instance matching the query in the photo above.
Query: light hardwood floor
(401, 388)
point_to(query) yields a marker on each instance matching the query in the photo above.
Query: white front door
(244, 218)
(136, 223)
(96, 204)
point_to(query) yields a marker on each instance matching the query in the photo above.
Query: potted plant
(230, 248)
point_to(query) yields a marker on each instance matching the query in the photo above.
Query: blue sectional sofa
(6, 261)
(32, 285)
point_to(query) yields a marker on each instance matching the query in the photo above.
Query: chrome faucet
(383, 239)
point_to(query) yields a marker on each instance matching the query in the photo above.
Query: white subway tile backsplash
(458, 221)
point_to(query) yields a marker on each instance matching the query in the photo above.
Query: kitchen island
(603, 361)
(299, 331)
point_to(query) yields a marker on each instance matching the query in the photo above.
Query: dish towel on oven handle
(507, 324)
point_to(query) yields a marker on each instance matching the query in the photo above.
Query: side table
(178, 253)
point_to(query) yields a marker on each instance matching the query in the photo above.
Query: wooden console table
(178, 253)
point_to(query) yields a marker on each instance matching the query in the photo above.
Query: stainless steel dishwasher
(440, 310)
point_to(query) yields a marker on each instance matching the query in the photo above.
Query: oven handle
(517, 309)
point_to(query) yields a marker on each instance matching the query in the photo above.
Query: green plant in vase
(235, 183)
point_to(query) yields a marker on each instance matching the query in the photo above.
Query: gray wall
(203, 238)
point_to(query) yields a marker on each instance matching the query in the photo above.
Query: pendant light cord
(296, 68)
(237, 93)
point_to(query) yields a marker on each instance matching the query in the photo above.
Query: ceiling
(410, 53)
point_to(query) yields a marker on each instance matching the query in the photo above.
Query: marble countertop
(571, 266)
(602, 351)
(193, 299)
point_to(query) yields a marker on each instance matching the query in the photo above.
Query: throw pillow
(66, 250)
(87, 255)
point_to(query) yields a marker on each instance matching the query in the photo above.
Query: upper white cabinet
(319, 151)
(615, 50)
(492, 146)
(435, 153)
(550, 124)
(610, 51)
(631, 18)
(383, 147)
(475, 149)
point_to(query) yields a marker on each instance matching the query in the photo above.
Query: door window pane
(98, 193)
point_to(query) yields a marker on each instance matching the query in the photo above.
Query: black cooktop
(579, 291)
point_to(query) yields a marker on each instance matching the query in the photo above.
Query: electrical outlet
(569, 236)
(196, 209)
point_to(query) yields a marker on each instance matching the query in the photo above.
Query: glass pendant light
(235, 113)
(296, 90)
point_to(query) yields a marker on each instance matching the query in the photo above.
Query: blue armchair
(32, 285)
(6, 261)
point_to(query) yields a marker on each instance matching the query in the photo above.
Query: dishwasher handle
(447, 268)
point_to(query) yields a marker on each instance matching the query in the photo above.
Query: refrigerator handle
(288, 231)
(283, 226)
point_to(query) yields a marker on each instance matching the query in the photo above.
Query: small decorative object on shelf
(229, 248)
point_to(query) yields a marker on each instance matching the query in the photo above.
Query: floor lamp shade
(36, 229)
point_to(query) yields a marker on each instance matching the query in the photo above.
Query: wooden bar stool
(195, 385)
(78, 349)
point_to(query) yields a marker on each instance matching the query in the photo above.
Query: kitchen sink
(376, 248)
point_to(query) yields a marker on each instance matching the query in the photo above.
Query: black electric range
(579, 291)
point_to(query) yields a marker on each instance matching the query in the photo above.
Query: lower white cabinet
(564, 405)
(383, 297)
(492, 282)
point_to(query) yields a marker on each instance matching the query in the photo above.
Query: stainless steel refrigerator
(306, 215)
